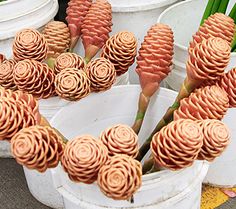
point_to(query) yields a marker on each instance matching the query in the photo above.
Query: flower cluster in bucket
(44, 64)
(190, 130)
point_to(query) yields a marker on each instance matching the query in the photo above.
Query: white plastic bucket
(222, 170)
(19, 14)
(165, 189)
(43, 190)
(184, 18)
(136, 16)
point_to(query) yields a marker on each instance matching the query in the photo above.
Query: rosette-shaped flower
(68, 60)
(120, 177)
(35, 78)
(6, 74)
(37, 147)
(178, 144)
(101, 73)
(76, 12)
(83, 157)
(25, 98)
(216, 137)
(228, 83)
(96, 27)
(72, 84)
(30, 102)
(120, 139)
(57, 36)
(210, 102)
(155, 56)
(2, 58)
(208, 59)
(14, 115)
(29, 44)
(121, 50)
(217, 25)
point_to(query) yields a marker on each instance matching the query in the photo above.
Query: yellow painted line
(212, 197)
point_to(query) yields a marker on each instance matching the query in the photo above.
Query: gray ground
(14, 193)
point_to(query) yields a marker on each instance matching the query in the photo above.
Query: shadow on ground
(14, 193)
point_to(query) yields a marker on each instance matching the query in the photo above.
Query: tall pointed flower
(76, 12)
(154, 61)
(96, 28)
(217, 25)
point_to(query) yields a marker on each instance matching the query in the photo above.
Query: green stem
(87, 60)
(233, 45)
(142, 108)
(51, 62)
(223, 6)
(147, 165)
(70, 50)
(207, 11)
(216, 6)
(232, 13)
(44, 122)
(187, 87)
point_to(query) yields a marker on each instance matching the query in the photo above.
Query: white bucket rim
(178, 45)
(35, 24)
(146, 5)
(170, 201)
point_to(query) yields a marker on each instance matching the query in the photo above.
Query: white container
(184, 18)
(41, 187)
(165, 189)
(20, 14)
(136, 16)
(222, 169)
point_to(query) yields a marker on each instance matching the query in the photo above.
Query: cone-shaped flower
(37, 147)
(57, 36)
(14, 115)
(68, 60)
(101, 73)
(155, 57)
(121, 50)
(216, 137)
(178, 144)
(76, 12)
(154, 62)
(6, 74)
(228, 83)
(83, 157)
(29, 44)
(120, 139)
(25, 98)
(72, 84)
(217, 25)
(210, 102)
(120, 177)
(35, 78)
(208, 60)
(96, 28)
